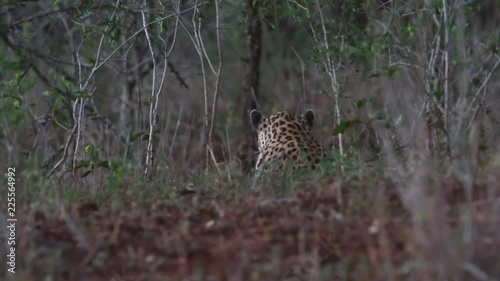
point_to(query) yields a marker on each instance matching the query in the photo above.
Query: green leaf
(91, 60)
(392, 69)
(104, 164)
(438, 93)
(437, 5)
(82, 94)
(344, 125)
(476, 81)
(361, 103)
(381, 115)
(16, 103)
(61, 116)
(137, 135)
(82, 163)
(86, 173)
(388, 124)
(91, 151)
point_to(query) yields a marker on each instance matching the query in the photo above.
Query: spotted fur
(285, 137)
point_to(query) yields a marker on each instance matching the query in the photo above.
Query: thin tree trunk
(251, 85)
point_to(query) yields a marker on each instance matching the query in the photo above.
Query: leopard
(285, 137)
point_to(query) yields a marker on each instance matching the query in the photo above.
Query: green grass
(355, 204)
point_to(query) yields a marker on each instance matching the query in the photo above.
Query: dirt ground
(315, 234)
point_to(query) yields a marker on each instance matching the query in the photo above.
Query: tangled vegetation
(129, 151)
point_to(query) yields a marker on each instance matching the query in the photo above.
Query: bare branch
(217, 83)
(152, 107)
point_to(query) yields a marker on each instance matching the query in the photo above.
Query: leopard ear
(256, 117)
(309, 116)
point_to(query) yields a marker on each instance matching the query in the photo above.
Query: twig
(152, 107)
(482, 87)
(217, 83)
(198, 46)
(446, 66)
(212, 156)
(65, 152)
(262, 168)
(144, 27)
(329, 65)
(175, 132)
(77, 234)
(153, 113)
(77, 117)
(477, 272)
(302, 70)
(333, 80)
